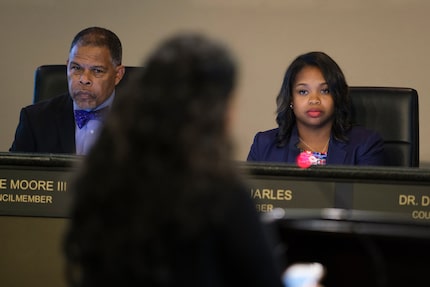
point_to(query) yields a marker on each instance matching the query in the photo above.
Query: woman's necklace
(312, 149)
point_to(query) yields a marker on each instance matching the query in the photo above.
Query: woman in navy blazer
(314, 122)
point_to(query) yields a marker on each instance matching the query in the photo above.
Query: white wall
(376, 42)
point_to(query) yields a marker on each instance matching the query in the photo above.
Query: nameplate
(280, 193)
(32, 192)
(411, 201)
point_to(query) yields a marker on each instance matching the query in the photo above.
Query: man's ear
(120, 71)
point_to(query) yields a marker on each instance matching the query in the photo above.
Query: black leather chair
(51, 81)
(393, 112)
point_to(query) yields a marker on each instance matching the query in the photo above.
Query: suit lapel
(336, 153)
(293, 150)
(66, 126)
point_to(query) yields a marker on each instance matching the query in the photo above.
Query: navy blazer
(364, 147)
(46, 127)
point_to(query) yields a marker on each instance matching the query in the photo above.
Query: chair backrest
(51, 81)
(393, 112)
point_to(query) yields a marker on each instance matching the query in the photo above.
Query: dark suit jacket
(46, 127)
(364, 147)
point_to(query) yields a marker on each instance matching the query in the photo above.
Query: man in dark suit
(70, 123)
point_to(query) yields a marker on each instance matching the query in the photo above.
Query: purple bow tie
(82, 116)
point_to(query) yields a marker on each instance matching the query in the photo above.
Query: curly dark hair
(151, 178)
(100, 37)
(337, 86)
